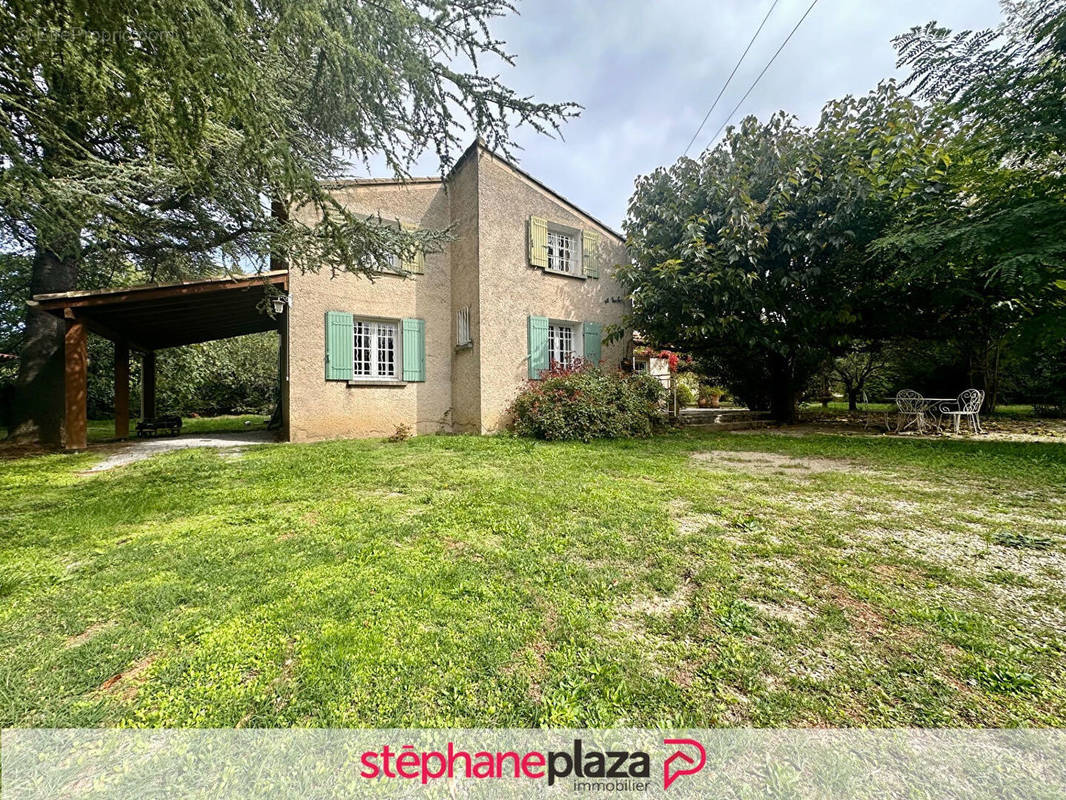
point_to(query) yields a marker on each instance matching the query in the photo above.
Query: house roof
(475, 146)
(155, 316)
(339, 183)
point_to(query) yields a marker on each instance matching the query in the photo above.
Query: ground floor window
(375, 350)
(640, 365)
(560, 344)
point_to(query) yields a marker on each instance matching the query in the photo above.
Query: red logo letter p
(691, 765)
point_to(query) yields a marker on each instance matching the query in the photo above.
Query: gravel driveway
(140, 449)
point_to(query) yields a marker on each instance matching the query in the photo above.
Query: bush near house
(583, 402)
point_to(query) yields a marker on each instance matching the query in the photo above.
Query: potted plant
(711, 396)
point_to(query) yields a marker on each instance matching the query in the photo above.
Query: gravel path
(140, 449)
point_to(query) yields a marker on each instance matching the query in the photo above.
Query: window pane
(560, 251)
(561, 345)
(362, 362)
(566, 345)
(386, 350)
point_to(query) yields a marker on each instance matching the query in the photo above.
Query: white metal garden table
(925, 408)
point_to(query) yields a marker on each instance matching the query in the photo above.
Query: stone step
(718, 416)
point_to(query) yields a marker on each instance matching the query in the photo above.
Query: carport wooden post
(148, 386)
(75, 384)
(122, 389)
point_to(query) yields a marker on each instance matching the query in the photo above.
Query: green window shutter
(414, 349)
(417, 263)
(592, 332)
(340, 346)
(590, 253)
(538, 346)
(538, 242)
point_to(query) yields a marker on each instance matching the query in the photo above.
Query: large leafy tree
(756, 256)
(170, 136)
(992, 236)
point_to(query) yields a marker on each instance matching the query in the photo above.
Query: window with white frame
(564, 247)
(375, 350)
(640, 365)
(561, 339)
(388, 262)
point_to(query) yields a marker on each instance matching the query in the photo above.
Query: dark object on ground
(169, 425)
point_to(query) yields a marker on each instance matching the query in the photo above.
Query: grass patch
(1023, 539)
(701, 580)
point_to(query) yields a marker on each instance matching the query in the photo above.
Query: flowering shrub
(584, 402)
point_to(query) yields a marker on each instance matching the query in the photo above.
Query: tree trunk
(38, 410)
(277, 415)
(853, 399)
(992, 383)
(783, 395)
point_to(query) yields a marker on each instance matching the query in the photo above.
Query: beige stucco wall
(463, 254)
(321, 409)
(512, 290)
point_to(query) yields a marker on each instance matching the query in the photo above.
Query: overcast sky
(646, 72)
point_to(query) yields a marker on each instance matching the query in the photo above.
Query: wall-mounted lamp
(279, 303)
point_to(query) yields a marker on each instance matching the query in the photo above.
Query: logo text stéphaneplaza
(631, 767)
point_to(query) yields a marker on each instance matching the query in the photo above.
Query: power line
(731, 74)
(768, 65)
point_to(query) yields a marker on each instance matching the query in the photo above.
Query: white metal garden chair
(911, 407)
(970, 402)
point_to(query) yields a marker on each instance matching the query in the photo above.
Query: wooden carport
(150, 318)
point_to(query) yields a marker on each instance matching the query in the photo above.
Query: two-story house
(441, 344)
(447, 342)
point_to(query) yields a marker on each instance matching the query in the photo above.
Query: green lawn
(458, 581)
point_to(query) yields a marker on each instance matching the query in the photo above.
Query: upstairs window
(390, 263)
(375, 350)
(561, 249)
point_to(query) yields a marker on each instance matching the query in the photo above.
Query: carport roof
(161, 315)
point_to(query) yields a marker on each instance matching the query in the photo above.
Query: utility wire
(767, 67)
(731, 74)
